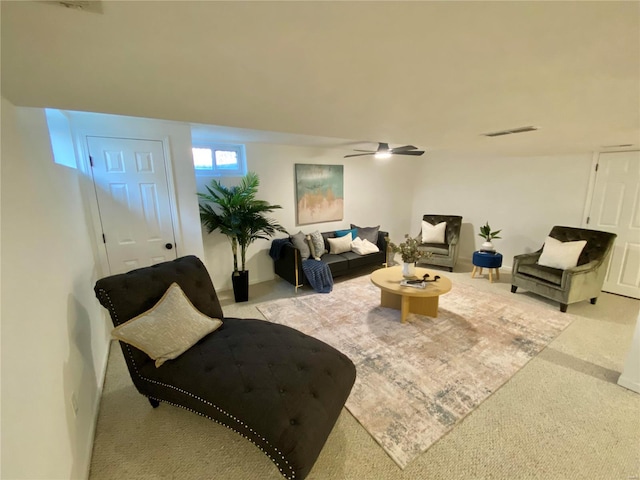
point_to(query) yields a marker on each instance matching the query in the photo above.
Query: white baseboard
(628, 383)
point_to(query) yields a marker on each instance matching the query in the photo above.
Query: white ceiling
(434, 74)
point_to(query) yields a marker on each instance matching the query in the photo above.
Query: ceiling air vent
(94, 6)
(510, 131)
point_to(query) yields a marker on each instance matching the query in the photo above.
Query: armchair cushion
(439, 248)
(168, 329)
(561, 255)
(433, 233)
(548, 274)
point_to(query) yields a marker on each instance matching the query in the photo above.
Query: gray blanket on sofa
(318, 274)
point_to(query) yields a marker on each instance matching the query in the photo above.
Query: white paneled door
(615, 208)
(130, 178)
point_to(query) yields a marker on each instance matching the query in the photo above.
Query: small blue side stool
(492, 261)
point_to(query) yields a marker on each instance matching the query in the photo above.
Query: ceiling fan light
(382, 155)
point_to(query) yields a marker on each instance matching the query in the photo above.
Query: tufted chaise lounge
(277, 387)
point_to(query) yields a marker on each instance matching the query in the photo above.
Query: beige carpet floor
(562, 416)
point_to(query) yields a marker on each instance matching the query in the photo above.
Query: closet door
(615, 208)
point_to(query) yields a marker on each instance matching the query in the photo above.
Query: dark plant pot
(240, 281)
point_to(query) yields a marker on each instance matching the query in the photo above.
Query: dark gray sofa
(288, 265)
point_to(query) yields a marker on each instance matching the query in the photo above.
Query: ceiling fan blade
(359, 154)
(403, 149)
(411, 152)
(368, 151)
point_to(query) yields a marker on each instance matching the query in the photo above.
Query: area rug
(416, 380)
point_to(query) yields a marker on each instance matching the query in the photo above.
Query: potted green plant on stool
(236, 213)
(488, 235)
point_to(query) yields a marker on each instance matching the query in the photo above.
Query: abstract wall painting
(319, 193)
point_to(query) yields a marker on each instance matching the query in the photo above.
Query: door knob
(168, 246)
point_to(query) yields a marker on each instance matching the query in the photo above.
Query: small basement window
(219, 160)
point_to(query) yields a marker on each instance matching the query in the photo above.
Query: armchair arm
(524, 259)
(592, 265)
(585, 274)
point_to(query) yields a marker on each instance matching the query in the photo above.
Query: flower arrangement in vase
(410, 254)
(488, 235)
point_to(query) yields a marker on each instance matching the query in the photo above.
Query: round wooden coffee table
(423, 301)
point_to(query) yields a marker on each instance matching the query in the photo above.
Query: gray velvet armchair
(583, 282)
(443, 254)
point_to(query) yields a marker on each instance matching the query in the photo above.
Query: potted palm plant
(236, 213)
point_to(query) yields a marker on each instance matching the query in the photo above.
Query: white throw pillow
(562, 255)
(363, 247)
(170, 328)
(433, 233)
(340, 244)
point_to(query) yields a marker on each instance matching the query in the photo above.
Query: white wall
(376, 192)
(630, 377)
(54, 334)
(523, 196)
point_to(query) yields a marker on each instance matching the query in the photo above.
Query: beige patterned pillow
(168, 329)
(340, 244)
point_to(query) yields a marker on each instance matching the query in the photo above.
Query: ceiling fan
(384, 151)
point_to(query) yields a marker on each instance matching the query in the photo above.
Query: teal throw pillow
(352, 231)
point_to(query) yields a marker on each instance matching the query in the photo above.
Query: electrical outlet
(74, 404)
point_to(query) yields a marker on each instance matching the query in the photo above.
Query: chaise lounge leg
(154, 403)
(563, 307)
(513, 289)
(594, 300)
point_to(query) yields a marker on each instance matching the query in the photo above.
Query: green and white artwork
(319, 193)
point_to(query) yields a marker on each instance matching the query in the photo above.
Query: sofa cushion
(433, 233)
(340, 244)
(356, 261)
(548, 274)
(562, 255)
(367, 233)
(342, 233)
(363, 247)
(317, 241)
(338, 264)
(299, 241)
(168, 329)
